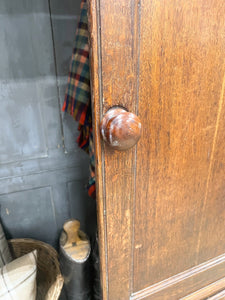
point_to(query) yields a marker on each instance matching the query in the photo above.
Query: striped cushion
(18, 278)
(5, 256)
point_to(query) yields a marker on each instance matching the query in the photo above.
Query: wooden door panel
(212, 291)
(180, 102)
(194, 284)
(161, 204)
(212, 235)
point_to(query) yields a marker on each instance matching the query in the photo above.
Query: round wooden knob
(120, 129)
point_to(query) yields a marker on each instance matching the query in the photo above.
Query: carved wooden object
(75, 242)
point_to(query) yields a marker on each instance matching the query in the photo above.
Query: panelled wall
(42, 171)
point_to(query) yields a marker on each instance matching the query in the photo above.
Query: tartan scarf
(77, 100)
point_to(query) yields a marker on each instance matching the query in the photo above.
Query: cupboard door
(161, 203)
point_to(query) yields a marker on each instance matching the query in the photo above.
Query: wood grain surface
(117, 46)
(161, 204)
(182, 72)
(219, 296)
(216, 290)
(196, 283)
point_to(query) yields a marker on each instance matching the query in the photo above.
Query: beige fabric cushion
(18, 278)
(5, 255)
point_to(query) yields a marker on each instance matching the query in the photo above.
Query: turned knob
(120, 129)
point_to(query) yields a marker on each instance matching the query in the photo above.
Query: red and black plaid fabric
(78, 97)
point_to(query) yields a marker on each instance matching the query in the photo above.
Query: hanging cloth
(78, 96)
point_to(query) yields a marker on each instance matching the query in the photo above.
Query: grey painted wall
(42, 171)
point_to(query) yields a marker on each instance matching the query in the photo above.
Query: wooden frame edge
(96, 91)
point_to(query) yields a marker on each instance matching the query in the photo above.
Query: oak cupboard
(161, 203)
